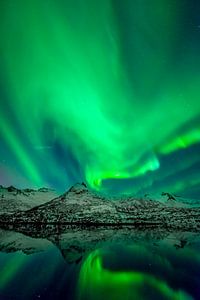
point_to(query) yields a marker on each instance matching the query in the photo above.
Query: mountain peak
(78, 188)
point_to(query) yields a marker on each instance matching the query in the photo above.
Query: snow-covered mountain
(81, 206)
(13, 200)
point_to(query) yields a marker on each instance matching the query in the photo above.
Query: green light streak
(183, 141)
(20, 152)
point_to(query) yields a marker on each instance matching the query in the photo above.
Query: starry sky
(106, 92)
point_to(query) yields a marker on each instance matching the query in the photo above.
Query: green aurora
(102, 91)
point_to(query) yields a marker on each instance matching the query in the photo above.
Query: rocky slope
(80, 206)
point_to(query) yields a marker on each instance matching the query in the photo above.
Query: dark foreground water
(99, 264)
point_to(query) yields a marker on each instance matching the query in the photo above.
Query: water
(98, 263)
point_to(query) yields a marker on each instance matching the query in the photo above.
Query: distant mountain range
(80, 206)
(13, 199)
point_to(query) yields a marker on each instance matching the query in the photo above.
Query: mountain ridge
(13, 199)
(81, 206)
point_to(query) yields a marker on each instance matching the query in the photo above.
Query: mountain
(81, 206)
(13, 200)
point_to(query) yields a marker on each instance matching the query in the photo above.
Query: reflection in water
(99, 263)
(96, 281)
(149, 275)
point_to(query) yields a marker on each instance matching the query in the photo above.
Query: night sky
(106, 92)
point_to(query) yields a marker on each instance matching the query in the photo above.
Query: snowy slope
(13, 199)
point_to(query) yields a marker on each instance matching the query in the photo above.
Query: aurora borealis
(106, 92)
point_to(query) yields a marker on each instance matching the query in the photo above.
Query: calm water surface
(92, 266)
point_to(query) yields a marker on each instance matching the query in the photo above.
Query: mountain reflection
(101, 263)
